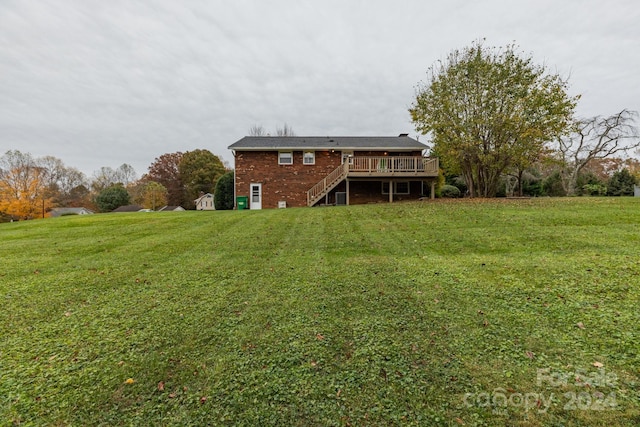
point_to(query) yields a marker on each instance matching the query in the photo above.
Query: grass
(475, 313)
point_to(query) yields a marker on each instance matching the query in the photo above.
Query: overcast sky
(102, 83)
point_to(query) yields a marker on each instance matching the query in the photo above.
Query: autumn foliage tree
(489, 111)
(149, 194)
(165, 171)
(23, 191)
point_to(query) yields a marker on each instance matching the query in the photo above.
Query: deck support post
(433, 190)
(347, 185)
(390, 191)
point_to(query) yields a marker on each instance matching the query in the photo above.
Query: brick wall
(290, 183)
(281, 182)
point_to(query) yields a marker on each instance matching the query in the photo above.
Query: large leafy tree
(112, 197)
(199, 172)
(490, 111)
(165, 170)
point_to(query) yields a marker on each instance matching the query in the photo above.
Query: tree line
(31, 187)
(502, 125)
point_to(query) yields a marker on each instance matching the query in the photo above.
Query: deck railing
(389, 165)
(327, 184)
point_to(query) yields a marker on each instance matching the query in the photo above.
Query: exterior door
(347, 156)
(256, 196)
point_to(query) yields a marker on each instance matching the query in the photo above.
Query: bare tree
(126, 174)
(595, 138)
(286, 130)
(59, 179)
(257, 130)
(103, 178)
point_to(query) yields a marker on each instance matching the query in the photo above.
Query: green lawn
(491, 313)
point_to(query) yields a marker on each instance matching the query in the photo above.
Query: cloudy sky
(102, 83)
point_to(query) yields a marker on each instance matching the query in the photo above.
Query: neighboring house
(204, 202)
(171, 208)
(636, 191)
(306, 171)
(128, 208)
(55, 212)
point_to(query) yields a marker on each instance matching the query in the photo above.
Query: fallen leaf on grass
(597, 364)
(130, 381)
(161, 386)
(319, 337)
(580, 325)
(530, 355)
(203, 399)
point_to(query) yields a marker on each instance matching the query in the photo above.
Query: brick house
(295, 171)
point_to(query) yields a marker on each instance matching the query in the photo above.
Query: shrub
(552, 185)
(223, 196)
(594, 190)
(621, 184)
(449, 191)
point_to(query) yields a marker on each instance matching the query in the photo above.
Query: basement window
(285, 158)
(309, 158)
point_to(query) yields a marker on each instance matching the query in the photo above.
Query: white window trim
(280, 158)
(304, 158)
(395, 187)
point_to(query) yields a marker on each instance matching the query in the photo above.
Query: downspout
(234, 180)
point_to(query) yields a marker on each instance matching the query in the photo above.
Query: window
(401, 187)
(309, 158)
(285, 158)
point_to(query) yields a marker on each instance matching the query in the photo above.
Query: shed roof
(258, 143)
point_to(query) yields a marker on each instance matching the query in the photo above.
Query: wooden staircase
(327, 184)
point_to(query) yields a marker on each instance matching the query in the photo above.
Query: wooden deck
(389, 166)
(375, 167)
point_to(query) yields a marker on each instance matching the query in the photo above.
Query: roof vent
(403, 134)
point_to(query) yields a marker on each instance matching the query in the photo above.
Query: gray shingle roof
(402, 142)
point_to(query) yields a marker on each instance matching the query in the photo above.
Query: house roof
(259, 143)
(171, 208)
(70, 211)
(128, 208)
(203, 196)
